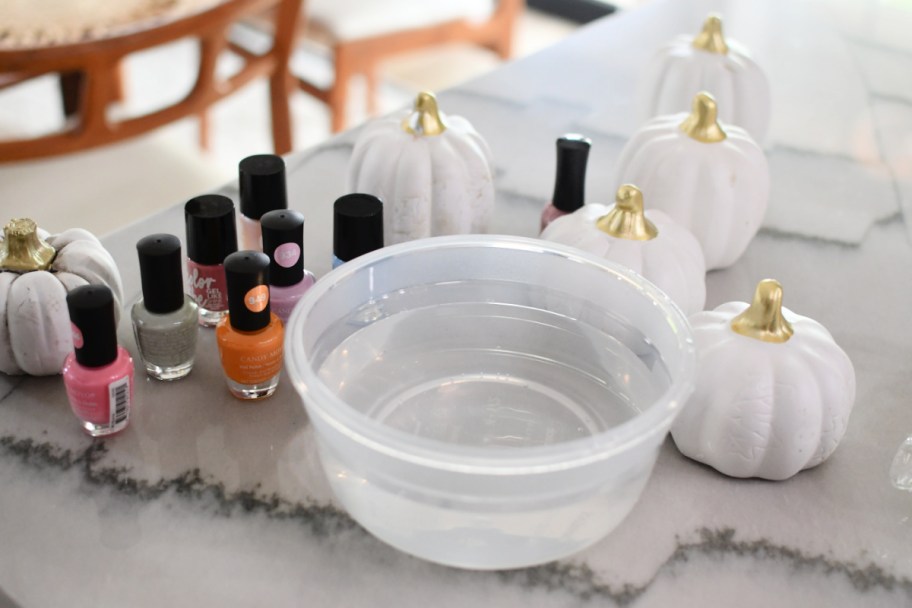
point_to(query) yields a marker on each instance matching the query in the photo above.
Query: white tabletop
(209, 501)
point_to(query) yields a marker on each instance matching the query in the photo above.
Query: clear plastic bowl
(488, 402)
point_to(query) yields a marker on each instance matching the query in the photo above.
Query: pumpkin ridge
(832, 426)
(8, 362)
(799, 364)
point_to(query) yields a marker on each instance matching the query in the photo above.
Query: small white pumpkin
(711, 178)
(648, 242)
(774, 390)
(36, 272)
(431, 171)
(708, 62)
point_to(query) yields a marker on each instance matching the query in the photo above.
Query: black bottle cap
(357, 225)
(247, 274)
(95, 327)
(283, 242)
(160, 272)
(261, 179)
(211, 234)
(570, 184)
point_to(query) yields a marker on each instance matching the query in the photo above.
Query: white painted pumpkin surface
(672, 260)
(763, 409)
(718, 190)
(35, 333)
(431, 183)
(708, 62)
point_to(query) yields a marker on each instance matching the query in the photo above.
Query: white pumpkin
(773, 390)
(648, 242)
(36, 272)
(431, 171)
(708, 62)
(710, 177)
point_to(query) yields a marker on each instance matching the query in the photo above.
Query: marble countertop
(205, 500)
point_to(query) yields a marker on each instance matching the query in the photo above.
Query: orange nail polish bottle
(250, 337)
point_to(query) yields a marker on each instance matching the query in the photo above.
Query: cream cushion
(40, 23)
(343, 20)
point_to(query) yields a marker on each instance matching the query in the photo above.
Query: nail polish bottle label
(250, 366)
(77, 336)
(207, 285)
(108, 406)
(257, 298)
(119, 400)
(287, 254)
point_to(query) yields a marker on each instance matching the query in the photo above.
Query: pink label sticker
(287, 254)
(207, 285)
(77, 336)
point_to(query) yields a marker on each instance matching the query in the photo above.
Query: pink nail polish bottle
(570, 183)
(211, 237)
(283, 242)
(98, 375)
(261, 181)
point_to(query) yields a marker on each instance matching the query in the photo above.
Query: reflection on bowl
(488, 402)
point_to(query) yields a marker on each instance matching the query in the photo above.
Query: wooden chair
(90, 77)
(361, 33)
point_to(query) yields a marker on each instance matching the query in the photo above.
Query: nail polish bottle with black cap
(261, 181)
(211, 237)
(283, 242)
(570, 182)
(357, 226)
(165, 320)
(250, 337)
(98, 374)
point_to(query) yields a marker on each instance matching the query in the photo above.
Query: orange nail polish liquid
(250, 337)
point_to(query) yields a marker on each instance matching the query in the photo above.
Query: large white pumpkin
(648, 242)
(36, 272)
(431, 171)
(708, 176)
(708, 62)
(773, 391)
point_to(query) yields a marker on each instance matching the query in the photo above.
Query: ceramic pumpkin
(36, 272)
(708, 176)
(648, 242)
(708, 62)
(432, 172)
(773, 390)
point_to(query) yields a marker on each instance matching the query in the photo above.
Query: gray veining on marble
(209, 501)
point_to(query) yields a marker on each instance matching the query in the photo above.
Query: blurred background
(106, 187)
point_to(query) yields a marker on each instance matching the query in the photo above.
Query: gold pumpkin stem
(426, 119)
(763, 319)
(702, 123)
(711, 39)
(22, 250)
(627, 220)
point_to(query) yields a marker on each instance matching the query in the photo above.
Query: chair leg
(338, 94)
(118, 86)
(279, 95)
(71, 86)
(370, 79)
(204, 140)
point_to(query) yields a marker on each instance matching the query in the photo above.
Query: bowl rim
(320, 401)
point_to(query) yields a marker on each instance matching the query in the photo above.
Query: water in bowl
(503, 365)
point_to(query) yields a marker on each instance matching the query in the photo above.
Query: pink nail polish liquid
(211, 237)
(98, 375)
